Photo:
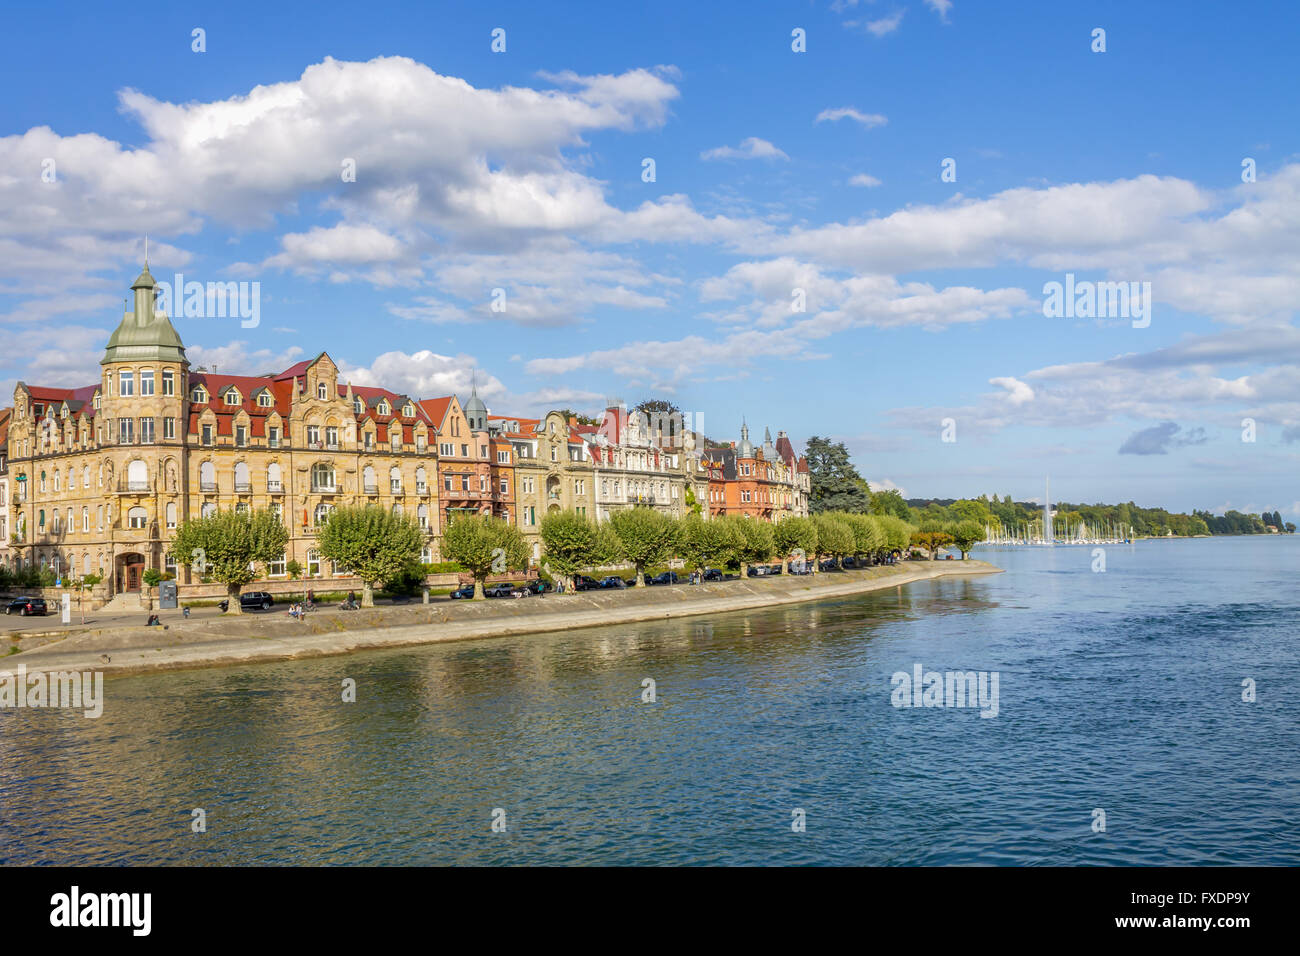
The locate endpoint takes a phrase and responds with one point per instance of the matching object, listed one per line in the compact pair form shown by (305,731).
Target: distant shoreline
(254,638)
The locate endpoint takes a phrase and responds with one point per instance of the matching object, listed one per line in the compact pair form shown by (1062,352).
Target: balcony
(208,487)
(324,489)
(395,487)
(126,487)
(273,443)
(371,489)
(243,487)
(274,488)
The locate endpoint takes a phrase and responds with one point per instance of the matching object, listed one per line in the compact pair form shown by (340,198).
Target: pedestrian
(185,611)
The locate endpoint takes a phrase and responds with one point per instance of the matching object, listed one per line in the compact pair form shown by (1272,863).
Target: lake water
(1118,691)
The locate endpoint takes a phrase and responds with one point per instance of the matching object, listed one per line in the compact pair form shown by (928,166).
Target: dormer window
(383,407)
(232,396)
(199,394)
(408,411)
(357,407)
(264,400)
(322,391)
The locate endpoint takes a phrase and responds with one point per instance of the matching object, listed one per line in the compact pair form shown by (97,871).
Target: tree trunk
(367,594)
(785,565)
(232,599)
(640,576)
(478,589)
(816,564)
(744,570)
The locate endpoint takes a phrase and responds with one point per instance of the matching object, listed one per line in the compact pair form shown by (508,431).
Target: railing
(395,487)
(421,489)
(331,446)
(323,489)
(243,487)
(274,487)
(372,489)
(273,443)
(207,486)
(126,486)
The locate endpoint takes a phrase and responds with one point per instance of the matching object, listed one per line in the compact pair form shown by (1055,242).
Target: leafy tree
(581,419)
(898,533)
(569,544)
(834,536)
(225,545)
(707,544)
(484,545)
(647,537)
(794,536)
(932,537)
(965,535)
(835,483)
(868,534)
(294,570)
(377,545)
(693,505)
(890,503)
(754,542)
(968,510)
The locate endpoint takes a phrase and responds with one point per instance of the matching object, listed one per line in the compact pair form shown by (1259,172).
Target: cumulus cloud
(863,179)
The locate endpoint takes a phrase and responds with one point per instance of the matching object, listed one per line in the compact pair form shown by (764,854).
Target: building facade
(760,482)
(636,461)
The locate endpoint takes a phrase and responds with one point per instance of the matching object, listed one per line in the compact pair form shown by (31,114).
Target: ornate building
(475,468)
(104,473)
(553,470)
(637,461)
(762,482)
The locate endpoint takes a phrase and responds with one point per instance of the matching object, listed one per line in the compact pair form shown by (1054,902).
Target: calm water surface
(1120,691)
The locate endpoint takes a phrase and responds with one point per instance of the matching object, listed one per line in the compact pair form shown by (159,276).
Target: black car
(713,574)
(26,605)
(667,577)
(466,592)
(582,582)
(251,601)
(506,591)
(613,581)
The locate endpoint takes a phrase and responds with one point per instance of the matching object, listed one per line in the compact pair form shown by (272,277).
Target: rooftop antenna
(146,250)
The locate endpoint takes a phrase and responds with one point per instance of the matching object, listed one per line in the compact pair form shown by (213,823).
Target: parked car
(26,605)
(582,582)
(613,581)
(713,574)
(463,593)
(759,571)
(250,601)
(667,577)
(804,568)
(537,586)
(506,591)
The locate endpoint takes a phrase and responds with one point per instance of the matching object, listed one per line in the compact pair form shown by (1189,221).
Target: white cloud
(749,148)
(941,7)
(848,112)
(863,179)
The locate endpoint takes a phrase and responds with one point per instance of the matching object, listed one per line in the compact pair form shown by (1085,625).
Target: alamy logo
(102,909)
(215,300)
(76,689)
(1098,300)
(923,688)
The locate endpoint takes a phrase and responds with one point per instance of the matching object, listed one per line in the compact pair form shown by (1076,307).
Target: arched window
(85,519)
(322,477)
(422,512)
(85,477)
(85,563)
(207,476)
(397,511)
(136,518)
(137,476)
(171,514)
(273,477)
(395,479)
(370,482)
(209,509)
(57,482)
(313,563)
(420,480)
(321,391)
(322,512)
(243,480)
(54,517)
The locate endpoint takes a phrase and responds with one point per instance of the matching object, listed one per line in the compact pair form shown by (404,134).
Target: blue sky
(775,170)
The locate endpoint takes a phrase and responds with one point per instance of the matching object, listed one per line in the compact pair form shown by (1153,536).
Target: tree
(692,503)
(834,536)
(225,545)
(868,534)
(835,483)
(294,570)
(889,503)
(932,537)
(898,533)
(375,544)
(569,544)
(794,536)
(581,419)
(705,544)
(965,535)
(647,537)
(754,542)
(484,545)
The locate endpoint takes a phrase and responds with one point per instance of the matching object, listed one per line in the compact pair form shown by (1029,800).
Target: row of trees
(379,546)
